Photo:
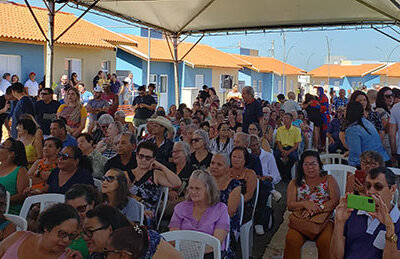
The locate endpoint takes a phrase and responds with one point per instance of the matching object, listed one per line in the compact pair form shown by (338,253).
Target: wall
(91,61)
(190,76)
(216,77)
(389,81)
(367,80)
(32,58)
(127,61)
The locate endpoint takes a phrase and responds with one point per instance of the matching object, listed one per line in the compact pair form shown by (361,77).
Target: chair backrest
(192,244)
(396,171)
(241,209)
(18,221)
(45,200)
(7,202)
(97,184)
(141,213)
(339,172)
(256,198)
(162,204)
(333,158)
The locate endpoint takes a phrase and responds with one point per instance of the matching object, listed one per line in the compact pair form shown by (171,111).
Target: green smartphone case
(359,202)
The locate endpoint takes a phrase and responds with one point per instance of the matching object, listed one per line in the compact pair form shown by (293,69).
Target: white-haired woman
(202,211)
(73,112)
(182,166)
(127,125)
(107,146)
(201,156)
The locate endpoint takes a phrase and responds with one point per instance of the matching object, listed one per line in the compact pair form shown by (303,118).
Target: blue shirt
(365,236)
(340,102)
(86,96)
(252,112)
(359,140)
(24,105)
(69,141)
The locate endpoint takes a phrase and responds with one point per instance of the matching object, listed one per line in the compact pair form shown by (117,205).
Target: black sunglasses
(109,178)
(89,233)
(71,236)
(64,156)
(389,96)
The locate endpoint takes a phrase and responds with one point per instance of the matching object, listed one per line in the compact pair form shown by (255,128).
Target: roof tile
(340,71)
(391,70)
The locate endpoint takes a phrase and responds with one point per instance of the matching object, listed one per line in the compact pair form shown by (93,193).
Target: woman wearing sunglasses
(116,194)
(150,175)
(73,168)
(200,143)
(83,198)
(58,227)
(384,103)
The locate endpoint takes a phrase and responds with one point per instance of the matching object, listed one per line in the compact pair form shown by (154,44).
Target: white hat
(163,122)
(98,89)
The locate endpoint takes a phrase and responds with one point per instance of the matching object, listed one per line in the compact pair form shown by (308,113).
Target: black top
(252,112)
(164,152)
(203,95)
(254,164)
(3,116)
(184,175)
(115,162)
(45,114)
(143,113)
(201,164)
(81,176)
(237,125)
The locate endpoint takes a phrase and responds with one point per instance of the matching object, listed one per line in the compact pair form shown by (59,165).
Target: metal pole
(283,69)
(176,67)
(329,60)
(148,55)
(387,64)
(50,45)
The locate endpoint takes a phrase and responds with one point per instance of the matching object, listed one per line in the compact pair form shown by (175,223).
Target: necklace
(236,176)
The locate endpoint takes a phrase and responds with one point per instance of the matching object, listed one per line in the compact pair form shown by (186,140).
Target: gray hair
(191,126)
(253,136)
(204,136)
(244,136)
(132,137)
(249,90)
(105,119)
(120,113)
(226,157)
(118,125)
(208,180)
(186,149)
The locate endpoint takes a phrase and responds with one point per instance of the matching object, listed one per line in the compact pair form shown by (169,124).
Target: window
(105,66)
(226,82)
(73,65)
(163,83)
(199,81)
(280,87)
(336,83)
(258,89)
(241,84)
(153,79)
(291,85)
(10,64)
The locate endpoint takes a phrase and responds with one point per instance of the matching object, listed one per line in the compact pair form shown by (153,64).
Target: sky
(308,49)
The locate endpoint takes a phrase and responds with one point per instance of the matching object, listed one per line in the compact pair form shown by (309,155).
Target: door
(10,64)
(73,65)
(163,89)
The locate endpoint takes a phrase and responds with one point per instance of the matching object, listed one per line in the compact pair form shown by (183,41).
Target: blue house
(203,65)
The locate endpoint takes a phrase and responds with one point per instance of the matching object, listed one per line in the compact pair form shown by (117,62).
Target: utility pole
(50,45)
(148,55)
(284,55)
(329,61)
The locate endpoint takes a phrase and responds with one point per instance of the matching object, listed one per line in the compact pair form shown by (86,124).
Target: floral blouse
(373,117)
(319,195)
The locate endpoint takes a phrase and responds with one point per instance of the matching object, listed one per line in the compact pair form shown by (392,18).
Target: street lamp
(308,60)
(285,58)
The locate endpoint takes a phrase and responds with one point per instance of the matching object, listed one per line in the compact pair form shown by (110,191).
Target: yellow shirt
(288,137)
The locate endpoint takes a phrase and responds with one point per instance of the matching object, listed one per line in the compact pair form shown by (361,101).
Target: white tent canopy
(199,16)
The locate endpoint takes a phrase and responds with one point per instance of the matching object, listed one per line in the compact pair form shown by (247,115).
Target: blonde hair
(76,114)
(208,180)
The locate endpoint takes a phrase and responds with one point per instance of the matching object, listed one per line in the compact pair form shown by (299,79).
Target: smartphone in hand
(359,202)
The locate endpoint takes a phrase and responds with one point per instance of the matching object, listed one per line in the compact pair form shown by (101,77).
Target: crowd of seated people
(207,157)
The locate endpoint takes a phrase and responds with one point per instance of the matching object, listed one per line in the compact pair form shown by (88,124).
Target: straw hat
(163,122)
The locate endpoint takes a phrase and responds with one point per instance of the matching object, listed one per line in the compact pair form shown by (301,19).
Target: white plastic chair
(331,158)
(339,172)
(18,221)
(162,204)
(8,196)
(45,200)
(396,171)
(141,214)
(246,230)
(192,244)
(97,184)
(241,209)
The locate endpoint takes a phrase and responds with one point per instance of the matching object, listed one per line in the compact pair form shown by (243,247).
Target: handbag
(309,227)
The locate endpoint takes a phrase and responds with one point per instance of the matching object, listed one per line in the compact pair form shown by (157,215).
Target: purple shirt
(365,236)
(215,217)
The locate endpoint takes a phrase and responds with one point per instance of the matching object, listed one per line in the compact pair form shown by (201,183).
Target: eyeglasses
(82,208)
(389,96)
(369,163)
(71,236)
(141,157)
(196,140)
(109,178)
(107,252)
(311,164)
(104,126)
(89,233)
(64,156)
(377,186)
(176,151)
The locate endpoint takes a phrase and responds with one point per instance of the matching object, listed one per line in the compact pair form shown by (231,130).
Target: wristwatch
(393,238)
(322,206)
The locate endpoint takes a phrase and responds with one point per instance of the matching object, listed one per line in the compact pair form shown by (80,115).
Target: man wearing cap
(158,129)
(31,85)
(62,88)
(46,110)
(97,104)
(144,106)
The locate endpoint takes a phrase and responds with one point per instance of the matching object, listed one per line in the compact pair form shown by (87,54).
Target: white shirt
(4,84)
(290,105)
(130,83)
(33,87)
(269,167)
(395,119)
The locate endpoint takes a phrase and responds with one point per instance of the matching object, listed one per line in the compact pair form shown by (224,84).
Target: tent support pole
(176,68)
(50,45)
(197,42)
(384,33)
